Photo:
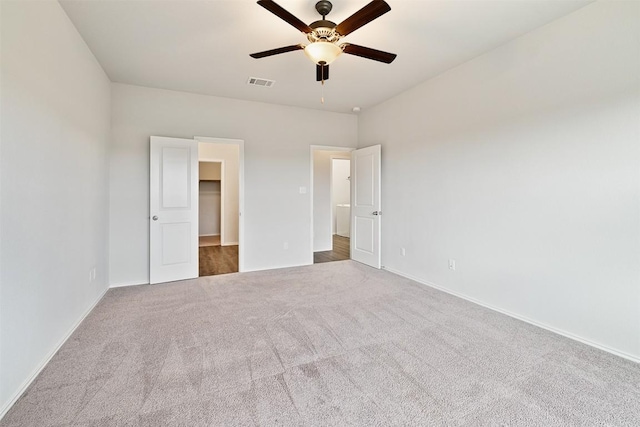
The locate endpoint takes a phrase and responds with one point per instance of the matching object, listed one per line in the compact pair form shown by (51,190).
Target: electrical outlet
(303,190)
(452,264)
(403,252)
(285,245)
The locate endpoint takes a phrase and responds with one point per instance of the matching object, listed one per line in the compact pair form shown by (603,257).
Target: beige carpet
(207,241)
(336,344)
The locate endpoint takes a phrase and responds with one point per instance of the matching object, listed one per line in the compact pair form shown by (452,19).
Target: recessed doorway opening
(174,216)
(331,208)
(219,207)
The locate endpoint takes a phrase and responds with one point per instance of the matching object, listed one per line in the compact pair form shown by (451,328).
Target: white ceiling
(203,46)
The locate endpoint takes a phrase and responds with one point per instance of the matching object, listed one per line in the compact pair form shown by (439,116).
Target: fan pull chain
(322,92)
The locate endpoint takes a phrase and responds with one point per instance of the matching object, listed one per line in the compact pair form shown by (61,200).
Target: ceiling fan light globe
(322,53)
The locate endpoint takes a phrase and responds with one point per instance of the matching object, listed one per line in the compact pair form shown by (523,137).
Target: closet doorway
(218,208)
(331,208)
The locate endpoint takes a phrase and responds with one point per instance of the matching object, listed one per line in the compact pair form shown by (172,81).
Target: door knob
(376,213)
(155,217)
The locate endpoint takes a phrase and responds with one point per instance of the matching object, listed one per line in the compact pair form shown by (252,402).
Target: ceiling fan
(324,35)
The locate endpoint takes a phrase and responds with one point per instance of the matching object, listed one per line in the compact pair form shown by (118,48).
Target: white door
(365,205)
(173,228)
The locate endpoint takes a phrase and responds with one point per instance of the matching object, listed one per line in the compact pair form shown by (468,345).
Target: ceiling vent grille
(255,81)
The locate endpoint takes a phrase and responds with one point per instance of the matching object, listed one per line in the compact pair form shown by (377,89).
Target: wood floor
(218,260)
(224,259)
(341,251)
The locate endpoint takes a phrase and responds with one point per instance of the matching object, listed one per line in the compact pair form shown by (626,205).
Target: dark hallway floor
(341,251)
(218,260)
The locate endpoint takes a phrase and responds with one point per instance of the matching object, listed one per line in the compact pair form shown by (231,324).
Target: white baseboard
(124,285)
(520,317)
(229,244)
(45,361)
(208,235)
(276,267)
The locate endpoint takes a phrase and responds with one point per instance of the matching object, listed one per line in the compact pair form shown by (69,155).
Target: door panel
(173,231)
(365,210)
(175,243)
(364,234)
(175,177)
(364,181)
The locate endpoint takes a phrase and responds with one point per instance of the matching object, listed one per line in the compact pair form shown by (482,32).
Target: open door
(173,228)
(365,205)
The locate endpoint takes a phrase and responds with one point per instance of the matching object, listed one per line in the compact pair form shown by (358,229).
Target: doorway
(331,209)
(173,205)
(212,256)
(219,206)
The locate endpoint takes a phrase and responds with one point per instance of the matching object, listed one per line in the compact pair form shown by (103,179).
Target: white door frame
(222,192)
(312,149)
(240,144)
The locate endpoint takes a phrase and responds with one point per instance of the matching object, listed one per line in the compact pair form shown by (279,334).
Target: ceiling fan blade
(283,14)
(367,52)
(277,51)
(373,10)
(322,72)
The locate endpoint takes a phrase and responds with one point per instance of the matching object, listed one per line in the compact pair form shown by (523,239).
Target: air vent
(255,81)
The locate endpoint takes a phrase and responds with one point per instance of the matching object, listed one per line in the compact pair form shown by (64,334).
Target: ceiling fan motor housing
(323,30)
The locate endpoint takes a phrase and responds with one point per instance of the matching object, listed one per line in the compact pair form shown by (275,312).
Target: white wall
(209,208)
(340,186)
(524,166)
(53,210)
(277,140)
(230,154)
(322,208)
